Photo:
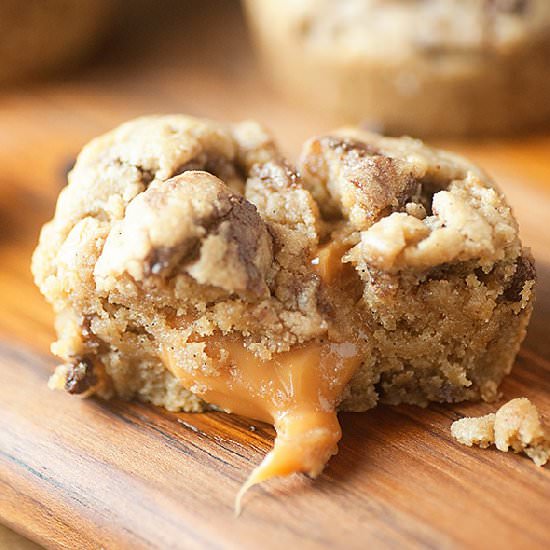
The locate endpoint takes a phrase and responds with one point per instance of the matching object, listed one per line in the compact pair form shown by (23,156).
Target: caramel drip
(297,391)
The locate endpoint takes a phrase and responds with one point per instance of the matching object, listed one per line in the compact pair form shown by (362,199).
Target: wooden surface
(11,540)
(89,474)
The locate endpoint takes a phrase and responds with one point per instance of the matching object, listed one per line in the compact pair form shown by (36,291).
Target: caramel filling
(297,391)
(328,263)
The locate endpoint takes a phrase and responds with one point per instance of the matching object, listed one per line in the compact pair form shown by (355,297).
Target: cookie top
(396,29)
(413,207)
(196,216)
(210,225)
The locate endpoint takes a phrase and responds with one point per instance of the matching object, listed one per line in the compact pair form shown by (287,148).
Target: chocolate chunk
(525,271)
(81,376)
(160,260)
(147,176)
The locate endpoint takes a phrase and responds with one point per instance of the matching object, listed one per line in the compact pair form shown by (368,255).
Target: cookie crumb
(475,431)
(516,426)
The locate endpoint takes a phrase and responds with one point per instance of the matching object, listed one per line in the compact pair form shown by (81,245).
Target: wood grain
(89,474)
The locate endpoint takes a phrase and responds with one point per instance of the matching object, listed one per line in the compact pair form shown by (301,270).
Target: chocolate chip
(81,376)
(525,271)
(158,260)
(147,176)
(163,258)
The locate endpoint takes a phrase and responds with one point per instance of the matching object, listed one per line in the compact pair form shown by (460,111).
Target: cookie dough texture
(174,229)
(515,426)
(419,67)
(37,36)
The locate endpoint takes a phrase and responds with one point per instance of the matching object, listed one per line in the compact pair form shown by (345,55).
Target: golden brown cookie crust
(174,229)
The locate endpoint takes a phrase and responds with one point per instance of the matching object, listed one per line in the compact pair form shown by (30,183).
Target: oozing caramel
(297,391)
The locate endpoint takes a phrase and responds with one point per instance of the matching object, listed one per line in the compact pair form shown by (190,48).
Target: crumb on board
(515,426)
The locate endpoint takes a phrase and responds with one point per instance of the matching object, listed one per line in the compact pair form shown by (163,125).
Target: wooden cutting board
(89,474)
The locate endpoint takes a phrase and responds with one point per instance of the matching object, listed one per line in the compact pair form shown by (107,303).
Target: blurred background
(469,75)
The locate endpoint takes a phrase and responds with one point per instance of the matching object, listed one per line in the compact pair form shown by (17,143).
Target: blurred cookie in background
(38,36)
(423,67)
